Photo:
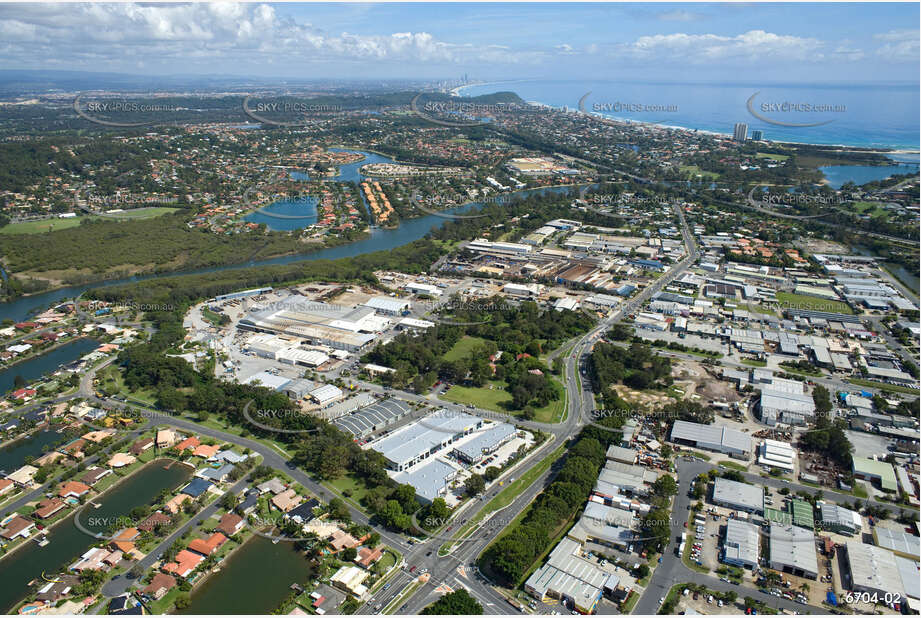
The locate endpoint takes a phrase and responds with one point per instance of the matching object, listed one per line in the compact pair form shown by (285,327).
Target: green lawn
(40,227)
(696,171)
(753,363)
(142,213)
(463,348)
(769,155)
(801,301)
(357,490)
(734,465)
(495,398)
(481,397)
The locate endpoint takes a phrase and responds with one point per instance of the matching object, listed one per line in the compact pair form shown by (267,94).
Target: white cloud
(678,15)
(900,46)
(701,48)
(225,32)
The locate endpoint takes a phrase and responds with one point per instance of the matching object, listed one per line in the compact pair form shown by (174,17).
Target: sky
(852,43)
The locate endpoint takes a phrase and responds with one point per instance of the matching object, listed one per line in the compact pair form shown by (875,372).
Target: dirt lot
(693,378)
(815,245)
(639,398)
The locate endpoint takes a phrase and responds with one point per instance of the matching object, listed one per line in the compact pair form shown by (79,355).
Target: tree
(665,486)
(183,601)
(349,554)
(338,510)
(474,485)
(492,473)
(457,603)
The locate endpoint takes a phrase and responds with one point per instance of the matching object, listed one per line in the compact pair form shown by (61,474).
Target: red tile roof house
(72,489)
(159,586)
(189,443)
(48,507)
(6,486)
(209,546)
(230,524)
(366,557)
(155,519)
(185,563)
(17,526)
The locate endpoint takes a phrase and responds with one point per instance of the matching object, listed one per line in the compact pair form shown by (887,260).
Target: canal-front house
(159,586)
(94,475)
(49,507)
(72,489)
(230,524)
(186,562)
(208,546)
(16,526)
(155,519)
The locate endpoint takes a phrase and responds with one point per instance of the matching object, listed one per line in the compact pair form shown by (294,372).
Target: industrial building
(872,569)
(619,477)
(776,454)
(712,437)
(740,546)
(570,578)
(375,417)
(898,542)
(875,471)
(430,480)
(318,324)
(417,441)
(839,519)
(485,443)
(738,496)
(792,550)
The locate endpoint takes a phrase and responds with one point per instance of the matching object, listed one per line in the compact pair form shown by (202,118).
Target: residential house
(159,586)
(230,524)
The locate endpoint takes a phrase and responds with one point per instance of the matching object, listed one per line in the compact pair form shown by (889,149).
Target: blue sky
(803,43)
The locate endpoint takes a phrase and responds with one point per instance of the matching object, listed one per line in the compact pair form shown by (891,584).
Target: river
(13,455)
(253,580)
(379,240)
(35,368)
(68,543)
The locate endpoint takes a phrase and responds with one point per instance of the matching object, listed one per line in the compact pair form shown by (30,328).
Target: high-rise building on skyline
(740,132)
(757,135)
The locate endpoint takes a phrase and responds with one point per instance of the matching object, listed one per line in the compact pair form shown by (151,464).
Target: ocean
(877,116)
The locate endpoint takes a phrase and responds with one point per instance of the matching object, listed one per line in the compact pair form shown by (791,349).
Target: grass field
(463,348)
(775,157)
(39,227)
(141,213)
(801,301)
(696,171)
(481,397)
(493,399)
(48,225)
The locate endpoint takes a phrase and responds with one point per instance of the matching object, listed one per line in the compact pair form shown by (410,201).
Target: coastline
(458,91)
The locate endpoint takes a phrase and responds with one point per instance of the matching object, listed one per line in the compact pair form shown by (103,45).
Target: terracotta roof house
(98,436)
(366,557)
(185,563)
(189,443)
(340,540)
(72,489)
(128,534)
(125,547)
(74,449)
(175,503)
(17,526)
(286,500)
(154,520)
(6,485)
(159,586)
(230,524)
(48,507)
(208,546)
(206,450)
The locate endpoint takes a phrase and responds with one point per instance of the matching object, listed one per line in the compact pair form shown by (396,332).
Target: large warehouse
(411,444)
(741,546)
(738,496)
(318,323)
(365,421)
(792,550)
(713,437)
